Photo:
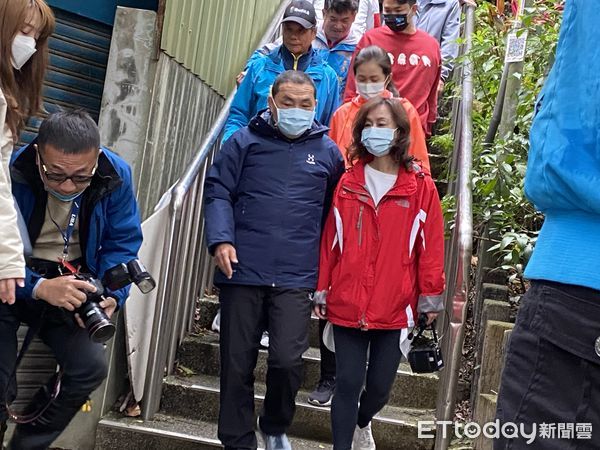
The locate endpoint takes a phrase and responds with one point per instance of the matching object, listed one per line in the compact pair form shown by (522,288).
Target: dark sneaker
(322,395)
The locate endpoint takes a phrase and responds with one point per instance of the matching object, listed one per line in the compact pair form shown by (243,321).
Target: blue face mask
(63,197)
(378,140)
(293,122)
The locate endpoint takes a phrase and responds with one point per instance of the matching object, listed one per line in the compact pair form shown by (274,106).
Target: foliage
(499,169)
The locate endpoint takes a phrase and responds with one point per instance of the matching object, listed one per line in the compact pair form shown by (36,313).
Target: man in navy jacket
(266,197)
(78,204)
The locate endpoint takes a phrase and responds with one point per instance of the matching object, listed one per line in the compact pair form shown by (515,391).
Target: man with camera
(78,204)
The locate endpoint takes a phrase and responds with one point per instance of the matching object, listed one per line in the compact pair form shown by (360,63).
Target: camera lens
(99,326)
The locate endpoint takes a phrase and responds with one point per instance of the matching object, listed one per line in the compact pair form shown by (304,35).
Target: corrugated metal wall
(183,110)
(75,78)
(213,38)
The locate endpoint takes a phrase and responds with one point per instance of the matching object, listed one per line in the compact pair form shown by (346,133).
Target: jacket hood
(24,170)
(406,183)
(315,57)
(262,124)
(346,44)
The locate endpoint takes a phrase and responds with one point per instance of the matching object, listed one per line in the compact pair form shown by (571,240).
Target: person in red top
(373,72)
(381,264)
(415,55)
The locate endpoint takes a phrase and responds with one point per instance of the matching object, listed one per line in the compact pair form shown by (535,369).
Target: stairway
(190,405)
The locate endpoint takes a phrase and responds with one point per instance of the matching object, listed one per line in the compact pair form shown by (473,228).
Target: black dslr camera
(425,355)
(99,326)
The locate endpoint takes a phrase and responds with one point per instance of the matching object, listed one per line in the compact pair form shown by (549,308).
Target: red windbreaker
(381,265)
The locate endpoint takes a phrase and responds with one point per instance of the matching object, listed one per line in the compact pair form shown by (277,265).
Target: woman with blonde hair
(25,26)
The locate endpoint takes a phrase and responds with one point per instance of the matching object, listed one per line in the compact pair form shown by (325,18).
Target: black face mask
(396,22)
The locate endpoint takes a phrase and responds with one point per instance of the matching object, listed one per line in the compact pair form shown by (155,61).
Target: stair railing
(187,268)
(459,248)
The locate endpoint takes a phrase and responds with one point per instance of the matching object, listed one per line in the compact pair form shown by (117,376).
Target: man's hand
(7,289)
(225,255)
(468,2)
(109,305)
(64,292)
(431,316)
(240,78)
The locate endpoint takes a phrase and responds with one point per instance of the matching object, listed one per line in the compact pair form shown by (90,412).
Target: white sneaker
(363,438)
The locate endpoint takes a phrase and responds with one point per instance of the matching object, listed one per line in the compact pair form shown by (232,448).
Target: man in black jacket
(266,196)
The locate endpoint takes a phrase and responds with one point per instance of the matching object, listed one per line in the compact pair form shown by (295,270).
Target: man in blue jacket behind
(298,29)
(266,196)
(78,205)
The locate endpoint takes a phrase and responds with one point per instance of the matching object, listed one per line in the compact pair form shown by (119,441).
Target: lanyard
(68,232)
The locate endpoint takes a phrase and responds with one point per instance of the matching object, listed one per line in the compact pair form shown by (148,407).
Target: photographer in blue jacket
(79,208)
(266,196)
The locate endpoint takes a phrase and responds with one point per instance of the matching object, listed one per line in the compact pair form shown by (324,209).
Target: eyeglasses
(60,178)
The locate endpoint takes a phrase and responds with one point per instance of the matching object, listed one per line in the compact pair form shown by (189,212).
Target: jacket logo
(403,203)
(310,159)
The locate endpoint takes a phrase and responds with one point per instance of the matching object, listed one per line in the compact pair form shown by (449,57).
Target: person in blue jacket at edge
(78,204)
(299,29)
(266,197)
(553,362)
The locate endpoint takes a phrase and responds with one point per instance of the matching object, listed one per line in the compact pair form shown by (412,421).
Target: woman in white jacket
(25,26)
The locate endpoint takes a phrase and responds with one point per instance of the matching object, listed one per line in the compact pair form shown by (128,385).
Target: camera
(97,323)
(425,355)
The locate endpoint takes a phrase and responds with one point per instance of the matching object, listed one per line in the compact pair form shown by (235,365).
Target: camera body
(425,355)
(99,326)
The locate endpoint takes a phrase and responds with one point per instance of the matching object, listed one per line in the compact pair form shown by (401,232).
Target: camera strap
(68,232)
(31,417)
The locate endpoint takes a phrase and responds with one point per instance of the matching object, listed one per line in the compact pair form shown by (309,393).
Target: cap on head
(301,12)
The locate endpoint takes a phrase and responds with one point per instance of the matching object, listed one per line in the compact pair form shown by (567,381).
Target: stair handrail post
(461,244)
(163,326)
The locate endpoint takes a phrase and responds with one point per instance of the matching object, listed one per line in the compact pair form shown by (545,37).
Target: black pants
(245,312)
(552,370)
(327,356)
(83,362)
(351,345)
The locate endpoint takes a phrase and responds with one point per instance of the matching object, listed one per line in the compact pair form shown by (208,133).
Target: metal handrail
(458,259)
(186,267)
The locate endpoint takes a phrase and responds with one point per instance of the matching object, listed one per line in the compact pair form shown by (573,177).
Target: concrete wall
(154,112)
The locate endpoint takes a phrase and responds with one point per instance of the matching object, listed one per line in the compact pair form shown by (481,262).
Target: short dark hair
(404,2)
(71,132)
(294,77)
(341,6)
(401,142)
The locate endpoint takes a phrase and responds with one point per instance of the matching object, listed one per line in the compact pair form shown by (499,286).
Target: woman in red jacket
(382,264)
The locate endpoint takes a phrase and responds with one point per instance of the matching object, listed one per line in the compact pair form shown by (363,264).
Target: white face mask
(23,48)
(370,90)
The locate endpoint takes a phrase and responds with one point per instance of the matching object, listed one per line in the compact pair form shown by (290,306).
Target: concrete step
(197,398)
(166,432)
(201,354)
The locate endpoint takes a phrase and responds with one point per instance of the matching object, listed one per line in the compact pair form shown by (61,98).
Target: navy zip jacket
(267,195)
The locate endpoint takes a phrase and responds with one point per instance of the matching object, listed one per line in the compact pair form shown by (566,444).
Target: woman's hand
(320,311)
(431,316)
